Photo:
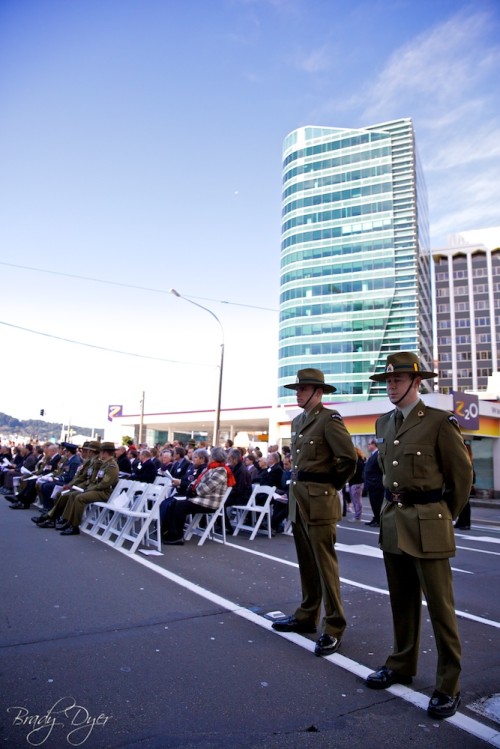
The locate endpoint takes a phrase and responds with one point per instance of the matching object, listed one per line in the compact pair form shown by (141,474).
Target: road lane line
(469,725)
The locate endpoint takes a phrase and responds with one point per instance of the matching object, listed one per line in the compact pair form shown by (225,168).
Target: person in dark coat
(272,476)
(181,463)
(124,464)
(146,471)
(373,483)
(240,493)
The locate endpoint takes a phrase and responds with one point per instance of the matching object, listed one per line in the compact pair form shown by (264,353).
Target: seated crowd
(61,480)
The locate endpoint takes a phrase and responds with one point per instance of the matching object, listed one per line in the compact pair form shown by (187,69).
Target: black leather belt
(318,478)
(414,498)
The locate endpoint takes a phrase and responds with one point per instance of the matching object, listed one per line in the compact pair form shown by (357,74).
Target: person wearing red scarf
(209,488)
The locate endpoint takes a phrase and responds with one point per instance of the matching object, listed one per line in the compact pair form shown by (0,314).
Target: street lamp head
(174,292)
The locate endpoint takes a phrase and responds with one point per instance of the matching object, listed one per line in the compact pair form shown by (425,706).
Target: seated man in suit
(146,470)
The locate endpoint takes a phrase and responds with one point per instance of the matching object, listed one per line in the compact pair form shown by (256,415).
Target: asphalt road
(105,650)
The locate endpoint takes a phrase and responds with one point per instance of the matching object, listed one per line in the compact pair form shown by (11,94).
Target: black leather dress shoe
(18,506)
(291,624)
(37,519)
(173,541)
(327,645)
(48,523)
(442,705)
(385,677)
(70,531)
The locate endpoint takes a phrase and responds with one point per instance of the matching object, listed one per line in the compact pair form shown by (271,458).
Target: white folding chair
(98,514)
(194,527)
(249,517)
(139,523)
(163,480)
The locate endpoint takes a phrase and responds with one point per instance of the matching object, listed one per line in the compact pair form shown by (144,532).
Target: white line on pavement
(355,584)
(469,725)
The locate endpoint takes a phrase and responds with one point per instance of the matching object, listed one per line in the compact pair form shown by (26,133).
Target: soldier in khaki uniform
(427,480)
(323,459)
(97,491)
(85,475)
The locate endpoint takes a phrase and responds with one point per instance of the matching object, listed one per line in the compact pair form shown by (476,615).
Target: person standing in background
(373,483)
(356,485)
(463,520)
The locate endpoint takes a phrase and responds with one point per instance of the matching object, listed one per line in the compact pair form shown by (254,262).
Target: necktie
(399,418)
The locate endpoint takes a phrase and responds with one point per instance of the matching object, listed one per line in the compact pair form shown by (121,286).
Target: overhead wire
(103,348)
(131,286)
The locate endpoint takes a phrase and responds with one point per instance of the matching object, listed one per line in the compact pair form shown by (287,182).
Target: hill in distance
(36,429)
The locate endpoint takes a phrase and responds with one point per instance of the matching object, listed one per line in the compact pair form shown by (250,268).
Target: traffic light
(42,411)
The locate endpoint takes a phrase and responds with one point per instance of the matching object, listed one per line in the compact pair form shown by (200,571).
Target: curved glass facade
(355,256)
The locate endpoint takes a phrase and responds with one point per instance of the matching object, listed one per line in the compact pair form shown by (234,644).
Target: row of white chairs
(249,517)
(131,516)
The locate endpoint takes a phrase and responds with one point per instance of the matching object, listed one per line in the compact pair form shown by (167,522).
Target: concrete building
(467,282)
(355,256)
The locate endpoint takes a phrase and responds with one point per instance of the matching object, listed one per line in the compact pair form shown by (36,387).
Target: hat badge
(389,368)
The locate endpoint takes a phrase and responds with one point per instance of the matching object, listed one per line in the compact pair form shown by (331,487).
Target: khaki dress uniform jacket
(87,473)
(85,476)
(320,445)
(422,461)
(99,490)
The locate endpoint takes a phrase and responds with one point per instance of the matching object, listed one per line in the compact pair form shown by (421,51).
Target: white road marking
(362,549)
(355,584)
(469,725)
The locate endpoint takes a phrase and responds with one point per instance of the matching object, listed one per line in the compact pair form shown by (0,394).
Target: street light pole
(221,365)
(141,423)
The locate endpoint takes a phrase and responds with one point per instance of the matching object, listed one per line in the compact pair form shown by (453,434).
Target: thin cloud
(452,153)
(461,199)
(442,79)
(436,69)
(314,61)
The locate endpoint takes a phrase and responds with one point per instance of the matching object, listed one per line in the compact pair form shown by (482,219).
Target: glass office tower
(355,256)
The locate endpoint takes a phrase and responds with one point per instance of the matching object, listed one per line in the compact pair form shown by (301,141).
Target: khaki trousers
(407,577)
(319,576)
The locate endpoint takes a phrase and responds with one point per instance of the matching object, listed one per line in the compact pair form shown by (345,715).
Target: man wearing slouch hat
(323,459)
(98,491)
(427,475)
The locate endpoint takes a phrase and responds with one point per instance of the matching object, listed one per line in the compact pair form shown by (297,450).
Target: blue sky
(140,146)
